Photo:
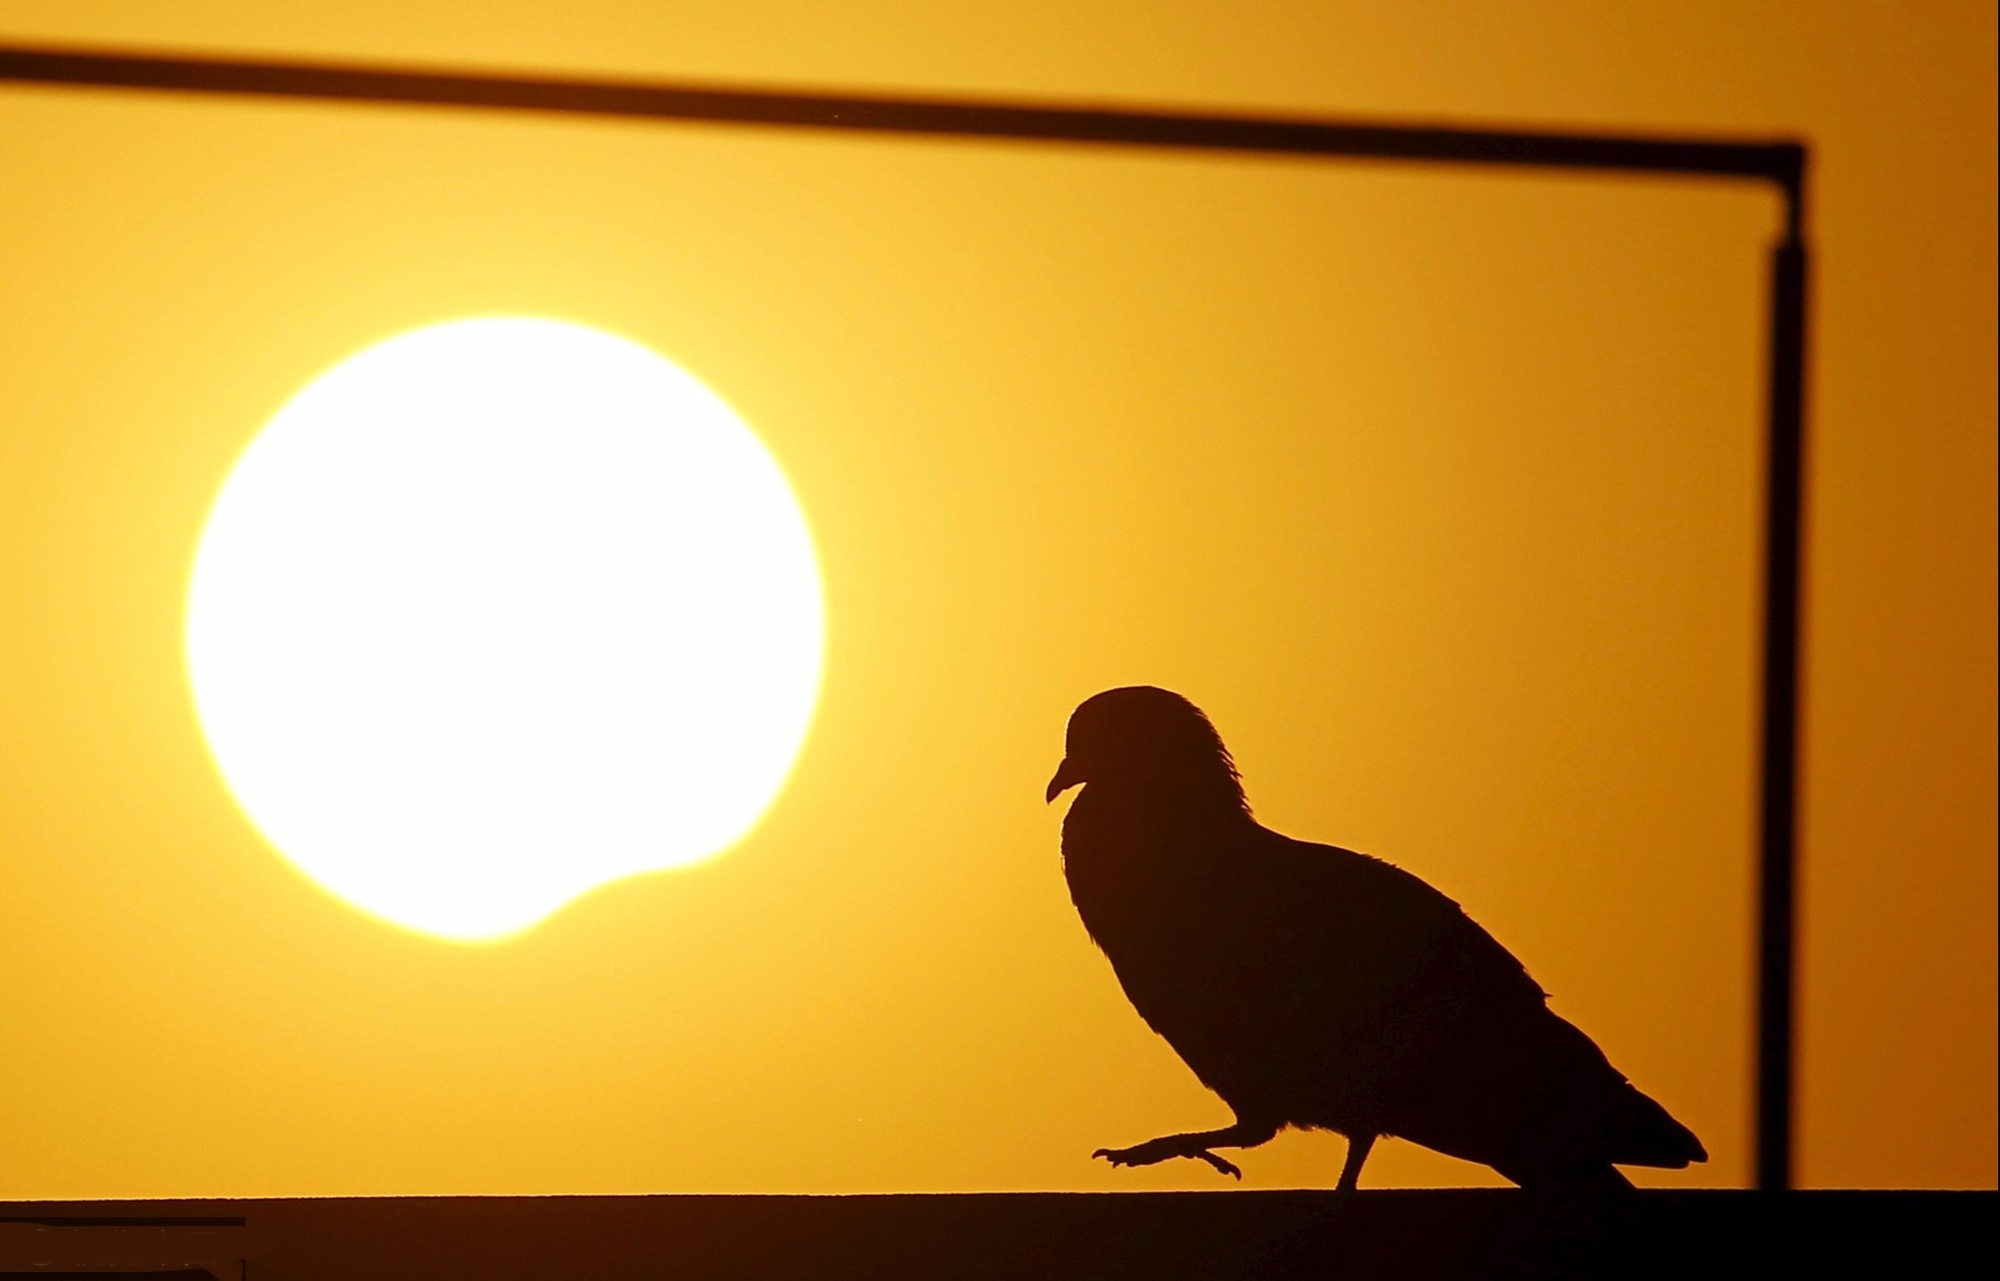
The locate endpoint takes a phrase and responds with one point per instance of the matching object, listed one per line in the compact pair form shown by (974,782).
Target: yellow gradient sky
(1437,491)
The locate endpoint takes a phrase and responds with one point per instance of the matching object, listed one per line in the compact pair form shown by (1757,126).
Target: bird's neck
(1155,810)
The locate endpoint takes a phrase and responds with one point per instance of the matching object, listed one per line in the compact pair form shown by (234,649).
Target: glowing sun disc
(499,610)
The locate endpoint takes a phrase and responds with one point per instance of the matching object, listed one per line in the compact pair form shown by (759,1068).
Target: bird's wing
(1393,999)
(1360,967)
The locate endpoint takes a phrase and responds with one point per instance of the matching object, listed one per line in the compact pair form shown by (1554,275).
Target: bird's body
(1316,987)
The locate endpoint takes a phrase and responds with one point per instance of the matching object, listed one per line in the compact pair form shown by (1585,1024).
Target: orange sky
(1438,491)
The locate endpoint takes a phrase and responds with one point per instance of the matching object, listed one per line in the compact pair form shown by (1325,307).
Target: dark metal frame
(1780,163)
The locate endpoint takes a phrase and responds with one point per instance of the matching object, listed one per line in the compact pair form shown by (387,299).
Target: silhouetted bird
(1315,987)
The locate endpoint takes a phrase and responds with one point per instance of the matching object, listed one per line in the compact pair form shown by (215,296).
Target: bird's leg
(1153,1151)
(1350,1171)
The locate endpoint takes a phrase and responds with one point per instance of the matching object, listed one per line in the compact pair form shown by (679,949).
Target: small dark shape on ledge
(1311,986)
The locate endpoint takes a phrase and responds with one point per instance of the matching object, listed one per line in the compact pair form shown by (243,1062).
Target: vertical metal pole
(1778,880)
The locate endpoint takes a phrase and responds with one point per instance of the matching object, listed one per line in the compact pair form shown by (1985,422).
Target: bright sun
(497,611)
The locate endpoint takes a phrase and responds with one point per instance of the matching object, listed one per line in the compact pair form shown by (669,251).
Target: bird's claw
(1221,1166)
(1157,1150)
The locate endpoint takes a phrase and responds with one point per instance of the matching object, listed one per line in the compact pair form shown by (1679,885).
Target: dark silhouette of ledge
(1440,1233)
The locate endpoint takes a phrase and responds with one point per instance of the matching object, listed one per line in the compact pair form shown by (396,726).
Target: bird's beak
(1066,778)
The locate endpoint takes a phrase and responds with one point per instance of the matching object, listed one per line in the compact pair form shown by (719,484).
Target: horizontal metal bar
(1777,161)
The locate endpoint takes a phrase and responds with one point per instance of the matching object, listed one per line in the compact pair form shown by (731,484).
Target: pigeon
(1317,988)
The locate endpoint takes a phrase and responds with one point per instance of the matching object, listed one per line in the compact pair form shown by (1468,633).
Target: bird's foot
(1154,1151)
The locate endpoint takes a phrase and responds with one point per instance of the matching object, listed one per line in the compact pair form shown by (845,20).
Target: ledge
(1389,1233)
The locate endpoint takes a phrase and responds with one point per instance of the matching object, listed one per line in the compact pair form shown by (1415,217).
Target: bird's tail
(1631,1127)
(1649,1135)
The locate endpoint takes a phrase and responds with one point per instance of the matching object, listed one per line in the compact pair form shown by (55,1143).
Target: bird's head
(1147,738)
